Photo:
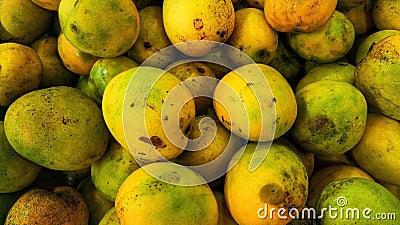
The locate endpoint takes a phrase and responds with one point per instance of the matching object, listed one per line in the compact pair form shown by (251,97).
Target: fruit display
(213,112)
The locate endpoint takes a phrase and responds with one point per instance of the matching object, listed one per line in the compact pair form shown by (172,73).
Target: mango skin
(331,117)
(253,35)
(280,181)
(206,20)
(21,71)
(378,151)
(377,76)
(17,172)
(22,21)
(58,128)
(102,71)
(152,37)
(110,171)
(110,218)
(360,193)
(112,107)
(327,44)
(54,72)
(336,71)
(145,199)
(328,174)
(366,45)
(237,105)
(298,16)
(79,21)
(61,205)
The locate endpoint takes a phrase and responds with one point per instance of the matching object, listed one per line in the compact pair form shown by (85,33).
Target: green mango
(357,201)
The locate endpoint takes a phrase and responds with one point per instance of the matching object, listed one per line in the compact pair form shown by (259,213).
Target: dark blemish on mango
(157,142)
(221,34)
(263,54)
(272,193)
(201,70)
(322,125)
(74,28)
(198,24)
(147,44)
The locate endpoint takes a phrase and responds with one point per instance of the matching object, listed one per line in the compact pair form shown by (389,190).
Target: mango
(73,58)
(80,22)
(280,181)
(298,16)
(286,61)
(21,71)
(377,75)
(210,148)
(331,117)
(336,71)
(255,102)
(198,22)
(61,205)
(110,171)
(191,72)
(54,72)
(58,127)
(23,21)
(378,151)
(360,15)
(328,174)
(152,38)
(366,45)
(151,134)
(110,218)
(385,14)
(163,193)
(327,44)
(102,71)
(17,172)
(356,201)
(253,35)
(307,158)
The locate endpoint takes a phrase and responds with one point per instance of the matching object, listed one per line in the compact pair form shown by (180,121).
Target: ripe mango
(280,181)
(58,127)
(378,151)
(205,20)
(331,117)
(377,76)
(61,205)
(94,27)
(17,172)
(146,199)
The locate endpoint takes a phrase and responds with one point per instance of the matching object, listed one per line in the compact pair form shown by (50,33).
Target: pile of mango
(128,112)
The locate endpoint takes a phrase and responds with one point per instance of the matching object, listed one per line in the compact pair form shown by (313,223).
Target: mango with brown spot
(280,181)
(61,205)
(331,117)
